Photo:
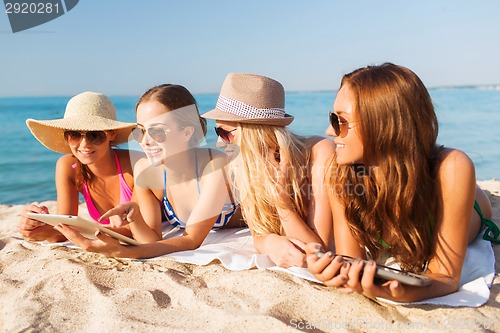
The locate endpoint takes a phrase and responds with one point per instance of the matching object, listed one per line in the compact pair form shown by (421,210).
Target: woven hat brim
(226,116)
(50,133)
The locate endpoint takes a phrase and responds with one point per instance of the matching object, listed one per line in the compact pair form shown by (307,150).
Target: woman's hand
(361,279)
(348,277)
(286,252)
(122,214)
(330,269)
(35,230)
(279,166)
(104,244)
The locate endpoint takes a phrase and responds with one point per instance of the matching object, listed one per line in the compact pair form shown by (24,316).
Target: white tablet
(85,227)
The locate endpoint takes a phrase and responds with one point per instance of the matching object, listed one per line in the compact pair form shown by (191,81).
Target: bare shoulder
(66,161)
(321,144)
(212,159)
(65,169)
(455,168)
(141,165)
(129,157)
(148,176)
(322,149)
(454,161)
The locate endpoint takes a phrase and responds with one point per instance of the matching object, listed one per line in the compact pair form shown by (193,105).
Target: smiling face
(156,122)
(349,145)
(86,151)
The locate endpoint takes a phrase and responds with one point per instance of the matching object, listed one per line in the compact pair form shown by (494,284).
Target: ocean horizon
(468,119)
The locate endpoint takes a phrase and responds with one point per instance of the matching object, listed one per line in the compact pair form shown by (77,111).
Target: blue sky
(122,47)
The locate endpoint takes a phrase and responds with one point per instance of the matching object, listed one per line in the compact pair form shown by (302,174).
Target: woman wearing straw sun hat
(277,174)
(179,178)
(103,175)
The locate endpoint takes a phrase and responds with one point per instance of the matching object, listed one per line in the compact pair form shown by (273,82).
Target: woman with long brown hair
(395,193)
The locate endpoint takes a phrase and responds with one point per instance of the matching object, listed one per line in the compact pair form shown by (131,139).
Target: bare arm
(201,220)
(288,250)
(67,204)
(67,193)
(142,214)
(319,217)
(328,268)
(456,193)
(318,226)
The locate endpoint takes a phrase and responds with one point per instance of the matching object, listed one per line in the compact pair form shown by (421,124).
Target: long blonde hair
(256,179)
(398,128)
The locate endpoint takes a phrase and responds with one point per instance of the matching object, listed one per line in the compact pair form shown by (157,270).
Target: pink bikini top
(125,193)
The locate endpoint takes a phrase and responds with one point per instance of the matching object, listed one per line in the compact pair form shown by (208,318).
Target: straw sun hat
(88,111)
(251,99)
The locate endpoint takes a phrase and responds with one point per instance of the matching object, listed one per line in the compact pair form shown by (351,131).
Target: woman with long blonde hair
(278,175)
(395,193)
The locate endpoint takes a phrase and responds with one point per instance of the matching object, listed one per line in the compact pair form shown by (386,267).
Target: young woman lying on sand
(394,191)
(185,181)
(103,175)
(279,176)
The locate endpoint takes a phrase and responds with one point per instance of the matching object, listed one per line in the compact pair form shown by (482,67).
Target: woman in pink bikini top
(103,175)
(125,192)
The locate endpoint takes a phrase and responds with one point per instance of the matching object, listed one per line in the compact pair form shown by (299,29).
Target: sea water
(469,119)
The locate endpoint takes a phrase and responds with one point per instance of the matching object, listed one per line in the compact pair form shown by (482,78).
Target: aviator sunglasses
(158,134)
(92,137)
(225,135)
(340,125)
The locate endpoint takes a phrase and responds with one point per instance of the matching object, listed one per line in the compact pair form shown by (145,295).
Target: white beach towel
(235,250)
(478,273)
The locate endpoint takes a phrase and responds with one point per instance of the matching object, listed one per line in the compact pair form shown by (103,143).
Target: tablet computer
(85,227)
(389,273)
(408,278)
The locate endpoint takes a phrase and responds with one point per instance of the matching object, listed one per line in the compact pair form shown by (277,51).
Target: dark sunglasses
(340,125)
(158,134)
(92,137)
(224,134)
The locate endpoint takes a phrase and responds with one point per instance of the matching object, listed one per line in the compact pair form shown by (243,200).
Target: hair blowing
(398,129)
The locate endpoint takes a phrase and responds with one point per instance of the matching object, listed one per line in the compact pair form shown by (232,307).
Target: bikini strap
(492,232)
(164,183)
(382,242)
(117,161)
(196,166)
(228,186)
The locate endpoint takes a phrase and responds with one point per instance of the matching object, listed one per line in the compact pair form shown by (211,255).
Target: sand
(58,289)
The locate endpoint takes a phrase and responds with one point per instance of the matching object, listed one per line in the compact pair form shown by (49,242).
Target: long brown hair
(398,128)
(83,175)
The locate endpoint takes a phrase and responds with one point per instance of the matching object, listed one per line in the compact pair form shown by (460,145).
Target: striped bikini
(223,219)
